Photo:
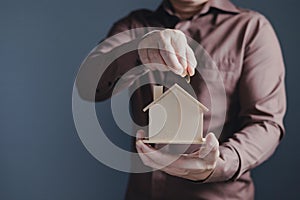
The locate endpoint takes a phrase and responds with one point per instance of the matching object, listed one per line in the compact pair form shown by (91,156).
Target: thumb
(140,134)
(211,144)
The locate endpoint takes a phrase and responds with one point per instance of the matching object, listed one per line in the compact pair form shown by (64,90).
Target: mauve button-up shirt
(245,49)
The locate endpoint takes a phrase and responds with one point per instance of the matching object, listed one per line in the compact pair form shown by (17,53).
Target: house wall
(184,123)
(191,128)
(171,105)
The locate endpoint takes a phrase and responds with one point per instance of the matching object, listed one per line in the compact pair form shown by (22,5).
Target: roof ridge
(170,90)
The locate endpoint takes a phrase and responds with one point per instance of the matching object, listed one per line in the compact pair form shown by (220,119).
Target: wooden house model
(175,117)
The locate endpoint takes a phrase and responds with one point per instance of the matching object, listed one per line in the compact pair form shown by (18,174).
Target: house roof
(175,86)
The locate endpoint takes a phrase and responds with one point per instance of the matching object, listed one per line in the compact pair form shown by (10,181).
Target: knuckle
(163,35)
(178,31)
(168,31)
(180,35)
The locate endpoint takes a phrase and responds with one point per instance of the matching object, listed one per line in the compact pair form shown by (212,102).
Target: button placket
(183,26)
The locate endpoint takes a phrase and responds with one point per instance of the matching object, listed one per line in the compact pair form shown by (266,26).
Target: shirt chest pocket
(220,75)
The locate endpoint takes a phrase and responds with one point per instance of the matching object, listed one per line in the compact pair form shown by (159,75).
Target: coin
(188,78)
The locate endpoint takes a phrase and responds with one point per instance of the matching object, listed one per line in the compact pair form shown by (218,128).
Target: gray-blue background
(42,43)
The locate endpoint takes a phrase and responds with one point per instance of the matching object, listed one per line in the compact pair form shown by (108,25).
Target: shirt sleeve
(108,61)
(262,107)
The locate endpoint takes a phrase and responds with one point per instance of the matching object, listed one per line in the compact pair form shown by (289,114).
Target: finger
(169,56)
(175,171)
(153,164)
(156,155)
(145,159)
(154,56)
(140,134)
(191,61)
(170,160)
(145,148)
(197,176)
(156,60)
(180,51)
(174,166)
(150,64)
(211,144)
(191,71)
(212,156)
(199,165)
(143,56)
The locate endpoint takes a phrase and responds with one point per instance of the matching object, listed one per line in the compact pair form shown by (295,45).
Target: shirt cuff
(227,166)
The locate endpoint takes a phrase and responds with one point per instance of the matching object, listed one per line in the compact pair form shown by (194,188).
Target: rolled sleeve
(226,167)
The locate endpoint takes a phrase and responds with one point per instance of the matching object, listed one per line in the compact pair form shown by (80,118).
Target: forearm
(108,61)
(116,69)
(100,71)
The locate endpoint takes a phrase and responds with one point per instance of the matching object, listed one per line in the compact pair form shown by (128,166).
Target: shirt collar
(224,5)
